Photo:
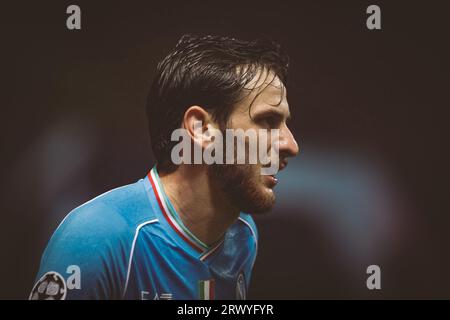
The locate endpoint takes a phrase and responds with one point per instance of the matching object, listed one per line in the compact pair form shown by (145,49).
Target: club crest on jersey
(241,292)
(51,286)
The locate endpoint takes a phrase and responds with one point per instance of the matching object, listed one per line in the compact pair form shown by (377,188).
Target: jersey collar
(173,219)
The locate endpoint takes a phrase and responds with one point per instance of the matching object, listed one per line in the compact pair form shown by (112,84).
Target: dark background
(369,187)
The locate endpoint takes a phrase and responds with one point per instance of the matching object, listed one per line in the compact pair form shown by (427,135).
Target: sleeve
(85,258)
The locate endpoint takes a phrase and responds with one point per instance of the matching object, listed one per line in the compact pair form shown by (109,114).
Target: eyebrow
(272,111)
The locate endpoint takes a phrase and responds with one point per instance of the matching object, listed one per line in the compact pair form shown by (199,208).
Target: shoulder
(114,214)
(248,228)
(248,221)
(97,238)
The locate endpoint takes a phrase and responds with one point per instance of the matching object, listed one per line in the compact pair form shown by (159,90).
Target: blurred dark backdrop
(369,108)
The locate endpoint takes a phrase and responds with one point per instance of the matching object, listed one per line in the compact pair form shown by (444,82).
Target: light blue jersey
(130,243)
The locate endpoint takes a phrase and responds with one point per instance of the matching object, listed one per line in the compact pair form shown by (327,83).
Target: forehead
(265,92)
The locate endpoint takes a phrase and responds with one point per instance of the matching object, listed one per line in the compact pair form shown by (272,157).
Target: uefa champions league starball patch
(51,286)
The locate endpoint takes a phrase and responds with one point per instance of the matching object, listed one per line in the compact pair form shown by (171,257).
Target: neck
(201,205)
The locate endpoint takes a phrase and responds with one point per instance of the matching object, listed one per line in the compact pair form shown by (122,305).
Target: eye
(270,121)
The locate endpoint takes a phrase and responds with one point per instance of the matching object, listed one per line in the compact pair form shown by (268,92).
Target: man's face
(243,184)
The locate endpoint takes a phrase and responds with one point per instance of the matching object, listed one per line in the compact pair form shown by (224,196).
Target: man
(181,232)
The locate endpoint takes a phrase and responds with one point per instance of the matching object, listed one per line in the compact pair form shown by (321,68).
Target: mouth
(271,181)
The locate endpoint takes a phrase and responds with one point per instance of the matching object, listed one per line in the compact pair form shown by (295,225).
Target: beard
(243,187)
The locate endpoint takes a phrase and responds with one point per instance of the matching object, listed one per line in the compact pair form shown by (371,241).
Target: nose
(288,145)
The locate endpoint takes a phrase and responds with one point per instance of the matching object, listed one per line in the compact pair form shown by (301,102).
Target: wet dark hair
(208,71)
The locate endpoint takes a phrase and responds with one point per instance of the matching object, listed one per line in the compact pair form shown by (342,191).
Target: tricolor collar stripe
(205,255)
(173,214)
(169,219)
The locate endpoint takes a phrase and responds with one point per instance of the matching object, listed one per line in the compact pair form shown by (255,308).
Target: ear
(198,124)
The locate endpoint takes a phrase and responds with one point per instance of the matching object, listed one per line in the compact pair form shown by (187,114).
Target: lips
(271,181)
